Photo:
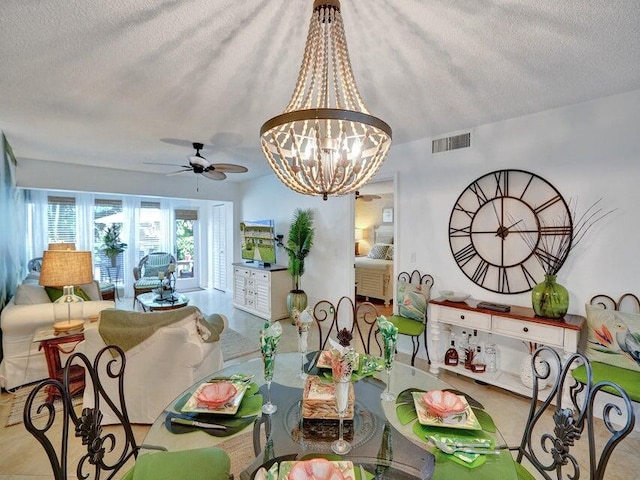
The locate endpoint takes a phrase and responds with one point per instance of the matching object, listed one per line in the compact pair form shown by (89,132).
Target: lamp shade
(358,234)
(66,267)
(61,246)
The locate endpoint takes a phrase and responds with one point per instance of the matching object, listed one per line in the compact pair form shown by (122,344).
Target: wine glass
(341,393)
(389,353)
(303,335)
(268,360)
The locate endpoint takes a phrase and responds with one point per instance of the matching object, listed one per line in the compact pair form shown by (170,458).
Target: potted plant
(298,245)
(111,244)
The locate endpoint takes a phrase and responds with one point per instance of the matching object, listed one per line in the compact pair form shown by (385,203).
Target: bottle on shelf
(478,363)
(451,355)
(473,340)
(491,357)
(462,346)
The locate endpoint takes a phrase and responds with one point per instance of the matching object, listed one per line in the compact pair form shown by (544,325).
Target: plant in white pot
(298,246)
(111,244)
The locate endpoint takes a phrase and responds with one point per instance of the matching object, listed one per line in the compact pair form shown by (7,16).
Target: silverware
(195,423)
(233,378)
(447,448)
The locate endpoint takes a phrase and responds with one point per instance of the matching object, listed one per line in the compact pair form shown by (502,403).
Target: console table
(507,330)
(261,291)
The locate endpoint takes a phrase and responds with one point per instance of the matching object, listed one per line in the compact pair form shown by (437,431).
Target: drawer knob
(525,329)
(461,317)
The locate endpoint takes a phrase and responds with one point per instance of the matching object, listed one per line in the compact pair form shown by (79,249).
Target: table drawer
(464,318)
(528,331)
(263,276)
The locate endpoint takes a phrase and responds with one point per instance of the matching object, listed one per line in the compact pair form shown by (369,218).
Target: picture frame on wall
(387,215)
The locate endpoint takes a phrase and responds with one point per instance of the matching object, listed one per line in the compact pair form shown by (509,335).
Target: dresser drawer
(465,318)
(262,276)
(528,331)
(242,272)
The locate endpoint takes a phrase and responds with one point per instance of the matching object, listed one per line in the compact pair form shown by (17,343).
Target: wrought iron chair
(145,275)
(550,453)
(347,322)
(412,299)
(110,449)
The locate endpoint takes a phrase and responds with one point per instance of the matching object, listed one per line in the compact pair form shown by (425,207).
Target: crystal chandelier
(325,142)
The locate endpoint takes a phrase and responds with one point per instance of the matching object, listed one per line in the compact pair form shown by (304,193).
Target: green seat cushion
(523,473)
(629,380)
(196,464)
(407,326)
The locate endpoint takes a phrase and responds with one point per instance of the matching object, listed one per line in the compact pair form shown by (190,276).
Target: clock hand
(504,231)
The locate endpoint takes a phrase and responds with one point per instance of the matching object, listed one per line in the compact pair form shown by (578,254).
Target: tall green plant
(299,243)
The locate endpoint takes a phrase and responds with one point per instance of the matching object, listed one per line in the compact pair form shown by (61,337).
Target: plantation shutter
(61,219)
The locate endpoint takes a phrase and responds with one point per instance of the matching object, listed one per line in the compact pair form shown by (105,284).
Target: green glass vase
(549,298)
(296,299)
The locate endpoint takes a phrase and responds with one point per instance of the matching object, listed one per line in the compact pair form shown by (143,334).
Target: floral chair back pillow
(613,337)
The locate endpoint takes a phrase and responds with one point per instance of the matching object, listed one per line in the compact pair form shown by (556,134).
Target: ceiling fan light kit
(325,143)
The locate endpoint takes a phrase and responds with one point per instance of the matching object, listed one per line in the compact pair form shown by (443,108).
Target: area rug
(236,345)
(240,450)
(20,398)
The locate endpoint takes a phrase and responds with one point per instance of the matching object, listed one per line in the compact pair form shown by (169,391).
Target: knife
(195,423)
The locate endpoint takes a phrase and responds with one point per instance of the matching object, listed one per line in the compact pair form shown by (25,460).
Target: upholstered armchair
(166,352)
(146,273)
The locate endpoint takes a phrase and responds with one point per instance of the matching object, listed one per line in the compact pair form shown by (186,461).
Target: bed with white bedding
(374,272)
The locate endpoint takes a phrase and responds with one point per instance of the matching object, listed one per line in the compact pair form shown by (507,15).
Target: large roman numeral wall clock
(503,224)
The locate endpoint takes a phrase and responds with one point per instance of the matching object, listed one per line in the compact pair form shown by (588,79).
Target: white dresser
(510,331)
(261,291)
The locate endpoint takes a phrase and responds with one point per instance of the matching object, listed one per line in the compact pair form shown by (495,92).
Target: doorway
(374,229)
(187,251)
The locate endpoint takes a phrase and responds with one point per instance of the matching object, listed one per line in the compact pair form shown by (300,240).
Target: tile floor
(21,458)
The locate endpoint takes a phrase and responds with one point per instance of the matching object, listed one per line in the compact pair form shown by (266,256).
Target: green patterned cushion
(412,301)
(613,337)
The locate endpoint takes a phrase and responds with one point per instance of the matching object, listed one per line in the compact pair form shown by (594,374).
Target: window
(106,212)
(61,219)
(149,228)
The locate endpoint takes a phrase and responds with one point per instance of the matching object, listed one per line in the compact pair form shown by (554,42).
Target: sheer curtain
(85,222)
(130,236)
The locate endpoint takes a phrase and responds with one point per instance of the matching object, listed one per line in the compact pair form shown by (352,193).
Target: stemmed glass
(389,353)
(303,335)
(268,360)
(269,338)
(341,391)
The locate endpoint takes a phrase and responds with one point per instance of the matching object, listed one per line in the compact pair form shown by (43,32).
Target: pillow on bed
(389,254)
(378,251)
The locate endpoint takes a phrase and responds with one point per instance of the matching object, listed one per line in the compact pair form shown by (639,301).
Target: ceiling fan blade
(184,143)
(157,163)
(177,172)
(214,175)
(229,167)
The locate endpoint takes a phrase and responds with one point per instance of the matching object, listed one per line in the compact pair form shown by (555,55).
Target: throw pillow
(54,293)
(613,337)
(153,270)
(378,251)
(30,294)
(412,300)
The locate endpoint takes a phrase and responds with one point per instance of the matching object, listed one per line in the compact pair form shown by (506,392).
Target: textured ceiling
(121,82)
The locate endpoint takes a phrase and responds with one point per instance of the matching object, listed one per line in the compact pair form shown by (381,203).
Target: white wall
(329,270)
(587,151)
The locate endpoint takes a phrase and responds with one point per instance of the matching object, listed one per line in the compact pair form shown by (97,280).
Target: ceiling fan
(199,164)
(367,198)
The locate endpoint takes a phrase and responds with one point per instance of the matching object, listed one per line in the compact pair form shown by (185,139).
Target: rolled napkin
(344,361)
(389,333)
(269,337)
(303,322)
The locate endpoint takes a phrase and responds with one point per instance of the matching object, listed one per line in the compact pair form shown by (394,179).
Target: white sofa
(158,369)
(29,310)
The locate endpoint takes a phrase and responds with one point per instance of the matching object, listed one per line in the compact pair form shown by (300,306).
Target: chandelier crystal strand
(325,142)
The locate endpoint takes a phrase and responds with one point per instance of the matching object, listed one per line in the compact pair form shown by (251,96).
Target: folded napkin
(343,361)
(269,337)
(389,333)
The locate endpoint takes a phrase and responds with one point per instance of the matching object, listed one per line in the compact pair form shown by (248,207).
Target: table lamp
(66,268)
(359,236)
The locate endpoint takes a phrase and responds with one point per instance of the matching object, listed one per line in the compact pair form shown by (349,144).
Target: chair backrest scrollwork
(572,405)
(106,453)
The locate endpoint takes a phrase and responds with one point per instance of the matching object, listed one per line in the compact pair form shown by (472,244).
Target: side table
(53,345)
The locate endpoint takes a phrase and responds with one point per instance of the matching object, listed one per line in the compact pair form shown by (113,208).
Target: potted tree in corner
(111,244)
(298,245)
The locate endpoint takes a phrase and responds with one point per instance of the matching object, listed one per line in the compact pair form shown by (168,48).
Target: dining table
(389,438)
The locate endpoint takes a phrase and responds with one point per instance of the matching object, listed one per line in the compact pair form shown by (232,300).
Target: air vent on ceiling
(451,143)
